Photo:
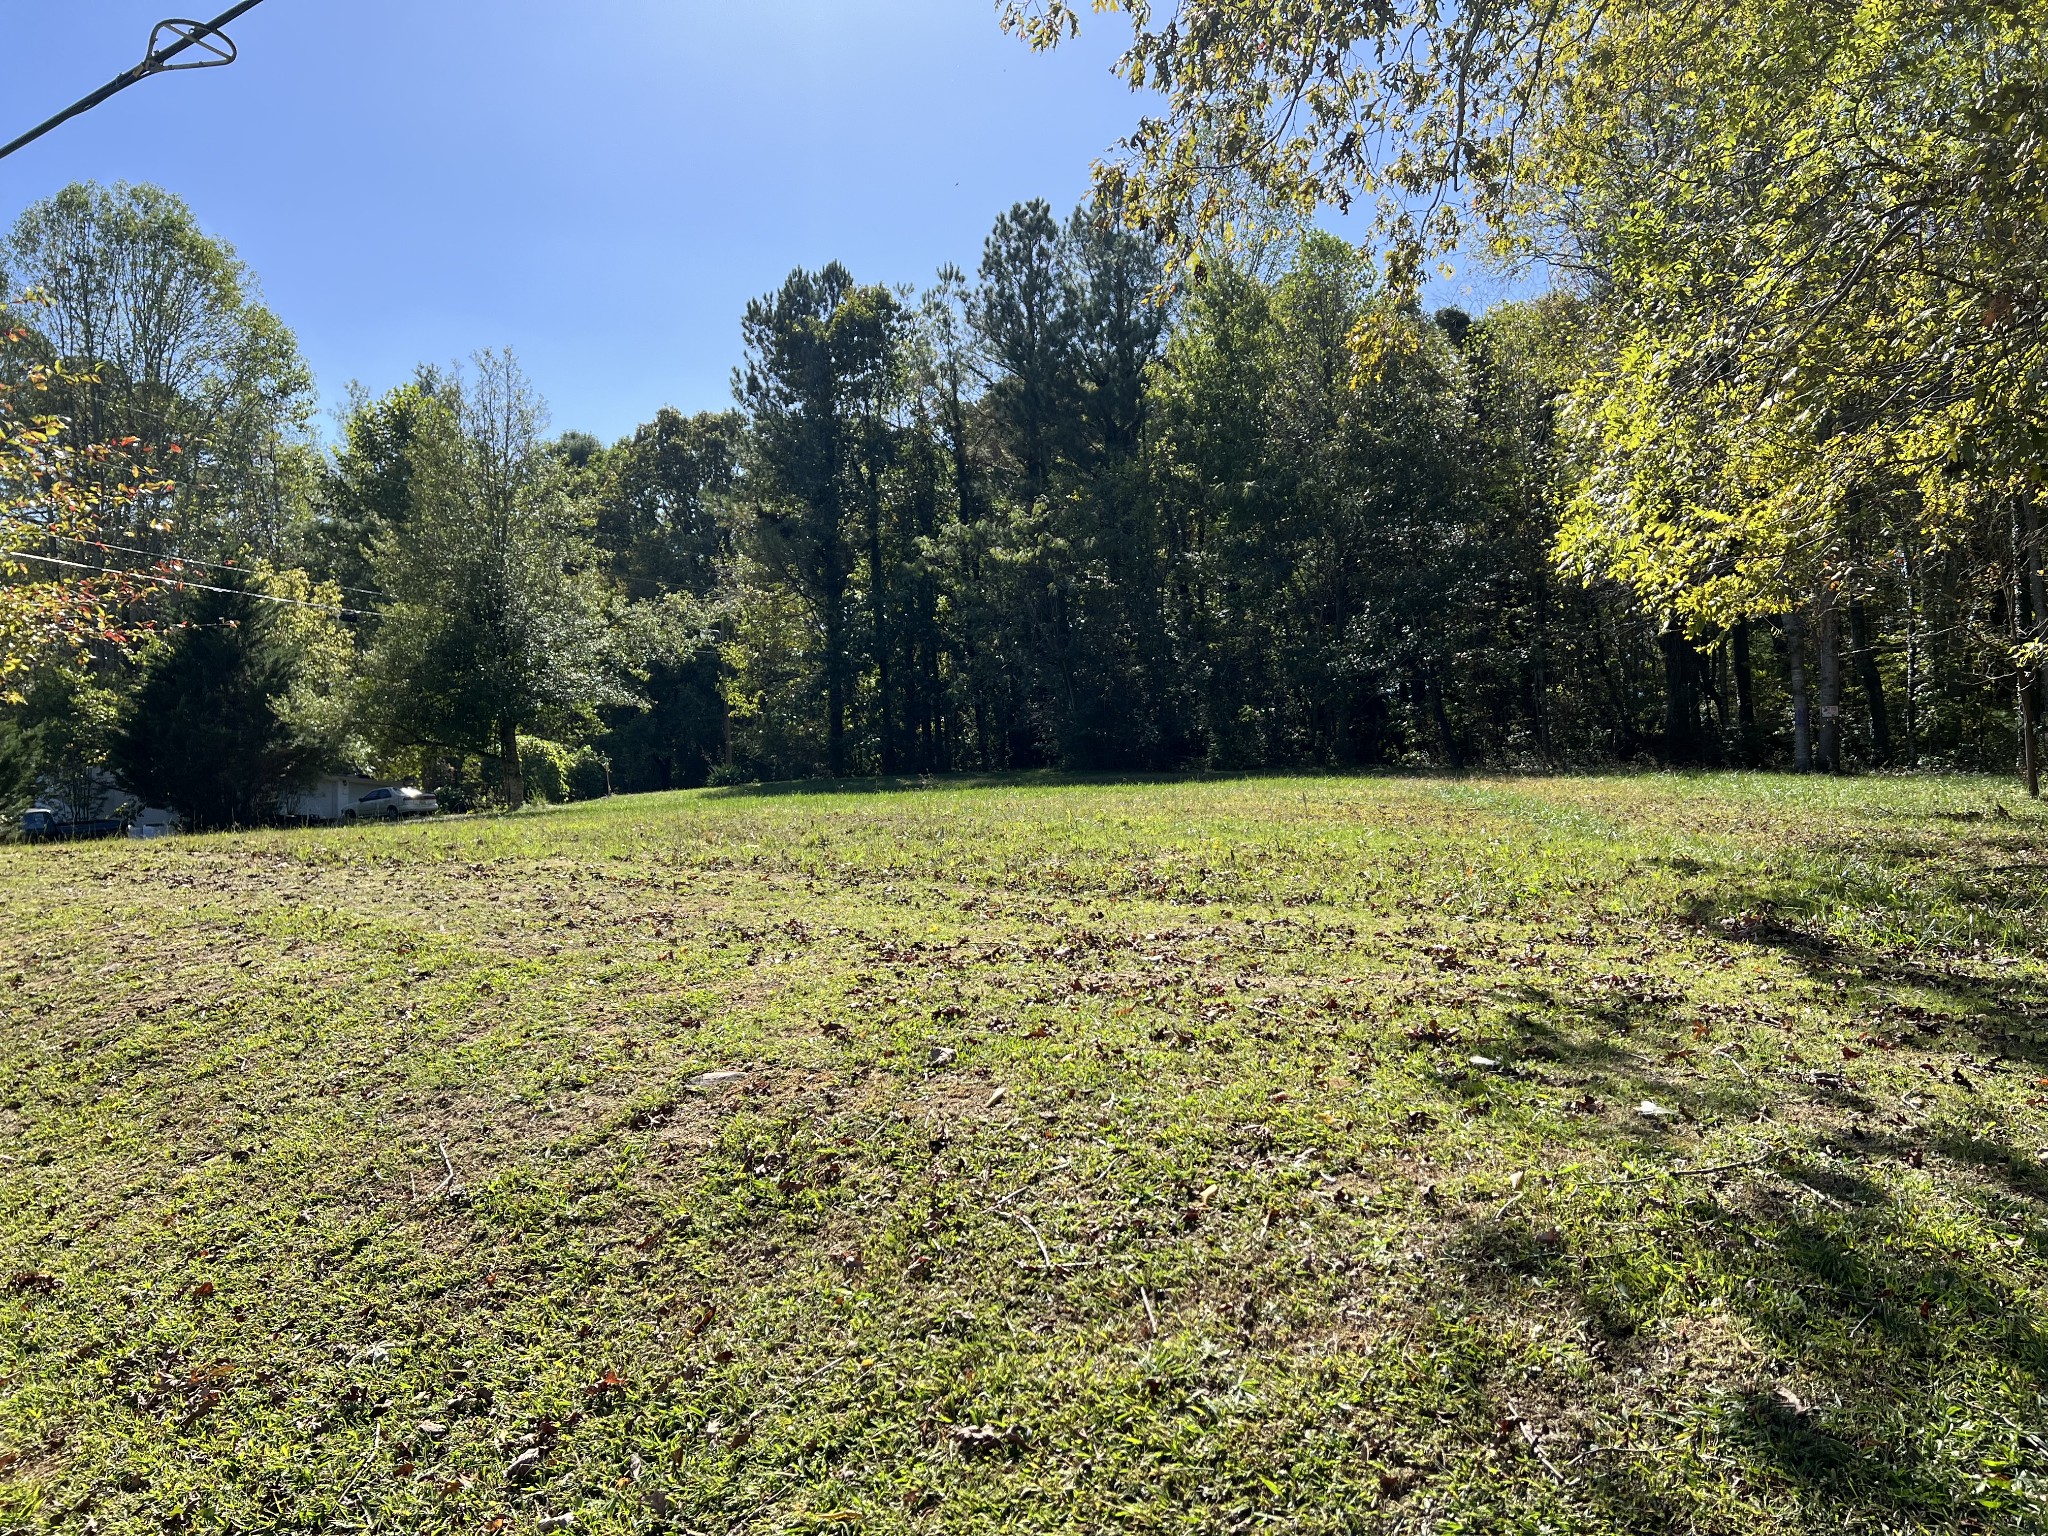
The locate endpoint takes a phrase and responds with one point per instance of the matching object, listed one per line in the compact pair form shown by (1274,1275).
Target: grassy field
(1632,1154)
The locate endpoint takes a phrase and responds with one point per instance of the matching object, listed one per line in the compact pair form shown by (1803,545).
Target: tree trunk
(2038,590)
(1912,699)
(1828,644)
(2030,737)
(1681,711)
(1867,675)
(1539,680)
(1442,717)
(1745,693)
(2026,594)
(835,680)
(878,609)
(835,719)
(1710,683)
(511,779)
(1802,708)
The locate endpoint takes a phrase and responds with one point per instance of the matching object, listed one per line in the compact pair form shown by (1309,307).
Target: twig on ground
(1727,1054)
(1043,1252)
(1696,1173)
(376,1444)
(448,1185)
(1151,1318)
(1535,1446)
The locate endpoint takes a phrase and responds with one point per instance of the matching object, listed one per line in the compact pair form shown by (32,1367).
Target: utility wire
(211,565)
(189,35)
(185,586)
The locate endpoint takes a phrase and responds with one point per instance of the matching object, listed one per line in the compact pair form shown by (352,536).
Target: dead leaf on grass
(987,1439)
(1792,1402)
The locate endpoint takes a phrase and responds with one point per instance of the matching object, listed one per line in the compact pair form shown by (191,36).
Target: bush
(546,766)
(590,777)
(17,770)
(556,774)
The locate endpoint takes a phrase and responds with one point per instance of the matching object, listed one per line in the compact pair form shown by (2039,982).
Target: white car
(390,804)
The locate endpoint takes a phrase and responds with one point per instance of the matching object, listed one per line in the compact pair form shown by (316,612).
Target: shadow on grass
(1971,977)
(1035,778)
(1882,1350)
(1874,1373)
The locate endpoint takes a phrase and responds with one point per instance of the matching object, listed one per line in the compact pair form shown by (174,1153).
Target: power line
(186,586)
(203,35)
(211,565)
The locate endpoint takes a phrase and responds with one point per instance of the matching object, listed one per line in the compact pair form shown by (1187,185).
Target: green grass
(1213,1156)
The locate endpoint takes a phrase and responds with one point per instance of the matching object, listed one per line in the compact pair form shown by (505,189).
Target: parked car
(41,824)
(331,799)
(153,822)
(390,804)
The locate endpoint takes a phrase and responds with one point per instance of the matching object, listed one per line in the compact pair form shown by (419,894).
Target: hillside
(1618,1154)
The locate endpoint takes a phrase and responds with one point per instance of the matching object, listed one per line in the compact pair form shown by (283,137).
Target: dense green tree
(661,500)
(17,766)
(820,352)
(169,345)
(495,623)
(207,732)
(365,494)
(1025,315)
(661,518)
(67,724)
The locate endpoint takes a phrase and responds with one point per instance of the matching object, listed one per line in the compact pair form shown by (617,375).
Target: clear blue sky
(599,184)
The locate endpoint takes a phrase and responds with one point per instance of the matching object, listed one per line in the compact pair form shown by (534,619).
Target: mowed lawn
(1620,1154)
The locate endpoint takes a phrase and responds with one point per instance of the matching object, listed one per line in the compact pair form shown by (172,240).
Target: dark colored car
(40,824)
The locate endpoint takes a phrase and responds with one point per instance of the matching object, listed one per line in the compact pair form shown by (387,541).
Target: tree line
(1809,389)
(1105,503)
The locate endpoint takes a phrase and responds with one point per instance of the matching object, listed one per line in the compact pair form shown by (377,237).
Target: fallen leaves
(204,1404)
(977,1440)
